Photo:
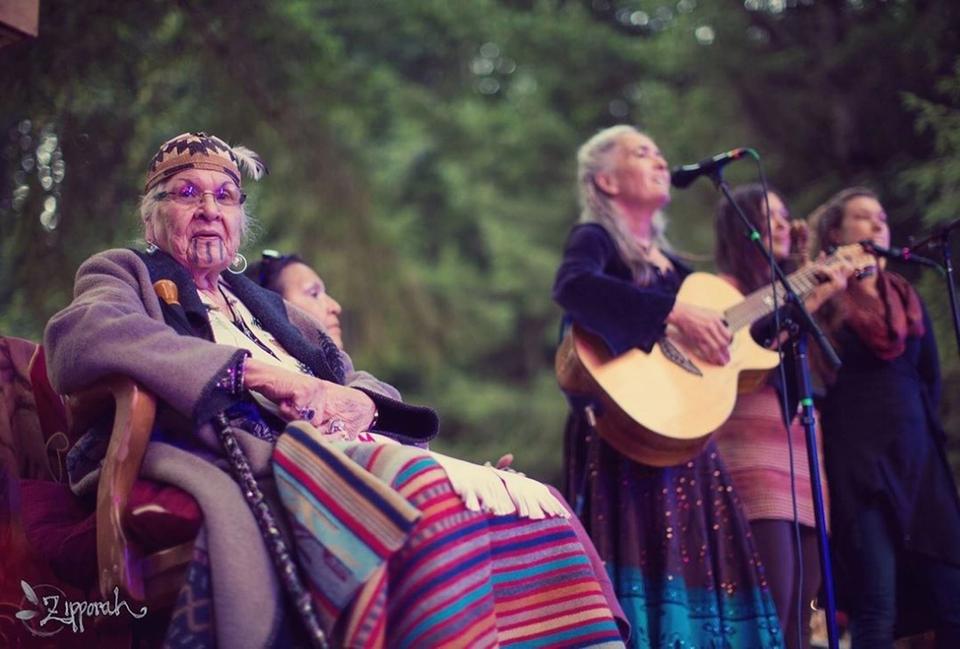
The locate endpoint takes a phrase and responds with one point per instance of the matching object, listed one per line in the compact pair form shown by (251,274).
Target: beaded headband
(201,151)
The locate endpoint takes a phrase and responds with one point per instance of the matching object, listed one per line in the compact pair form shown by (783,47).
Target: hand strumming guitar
(704,331)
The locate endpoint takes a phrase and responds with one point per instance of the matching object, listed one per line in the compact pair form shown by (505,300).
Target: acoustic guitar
(659,408)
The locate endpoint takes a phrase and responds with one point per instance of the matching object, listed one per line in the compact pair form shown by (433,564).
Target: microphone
(899,254)
(682,176)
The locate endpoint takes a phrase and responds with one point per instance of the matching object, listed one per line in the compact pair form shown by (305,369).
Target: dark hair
(266,272)
(829,216)
(734,253)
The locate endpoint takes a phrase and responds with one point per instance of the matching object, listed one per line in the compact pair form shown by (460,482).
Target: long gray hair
(594,157)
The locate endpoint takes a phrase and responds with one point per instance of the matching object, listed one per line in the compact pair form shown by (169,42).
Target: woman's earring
(151,247)
(238,265)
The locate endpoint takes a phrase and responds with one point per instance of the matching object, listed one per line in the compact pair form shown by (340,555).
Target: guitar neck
(761,302)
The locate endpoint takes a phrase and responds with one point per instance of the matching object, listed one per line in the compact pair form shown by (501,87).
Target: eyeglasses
(226,195)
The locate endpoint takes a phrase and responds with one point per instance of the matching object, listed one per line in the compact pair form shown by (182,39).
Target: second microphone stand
(940,240)
(802,325)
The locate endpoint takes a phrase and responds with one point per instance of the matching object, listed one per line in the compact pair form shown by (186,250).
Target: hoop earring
(238,265)
(151,247)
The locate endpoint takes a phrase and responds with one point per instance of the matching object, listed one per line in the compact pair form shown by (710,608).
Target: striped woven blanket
(394,558)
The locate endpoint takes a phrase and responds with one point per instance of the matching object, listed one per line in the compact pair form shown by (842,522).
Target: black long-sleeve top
(596,289)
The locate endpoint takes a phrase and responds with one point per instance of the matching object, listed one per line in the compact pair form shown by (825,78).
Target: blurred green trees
(422,153)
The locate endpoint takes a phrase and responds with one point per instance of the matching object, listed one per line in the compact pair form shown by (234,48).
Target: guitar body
(659,408)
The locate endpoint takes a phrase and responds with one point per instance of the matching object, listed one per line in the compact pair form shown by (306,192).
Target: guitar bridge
(676,356)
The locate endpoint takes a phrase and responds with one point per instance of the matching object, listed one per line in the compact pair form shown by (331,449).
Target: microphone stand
(940,239)
(798,330)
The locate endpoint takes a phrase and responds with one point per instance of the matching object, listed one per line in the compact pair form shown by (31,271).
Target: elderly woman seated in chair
(308,485)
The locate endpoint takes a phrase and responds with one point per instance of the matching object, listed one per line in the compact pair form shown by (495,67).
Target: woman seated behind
(299,284)
(396,545)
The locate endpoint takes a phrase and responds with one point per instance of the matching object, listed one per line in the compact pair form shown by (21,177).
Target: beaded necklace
(242,325)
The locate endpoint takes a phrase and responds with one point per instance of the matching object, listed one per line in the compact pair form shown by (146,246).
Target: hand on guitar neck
(833,278)
(704,330)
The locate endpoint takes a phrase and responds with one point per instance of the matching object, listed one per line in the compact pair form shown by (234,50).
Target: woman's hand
(705,331)
(347,411)
(297,395)
(799,240)
(834,279)
(332,408)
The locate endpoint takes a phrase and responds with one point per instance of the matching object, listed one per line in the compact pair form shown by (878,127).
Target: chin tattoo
(207,252)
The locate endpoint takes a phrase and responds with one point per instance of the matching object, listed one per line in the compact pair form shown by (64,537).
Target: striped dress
(756,450)
(754,446)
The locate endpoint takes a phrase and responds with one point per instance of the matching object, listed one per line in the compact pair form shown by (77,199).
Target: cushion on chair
(61,530)
(160,516)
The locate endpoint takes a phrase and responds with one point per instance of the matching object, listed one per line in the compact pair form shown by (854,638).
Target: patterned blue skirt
(676,545)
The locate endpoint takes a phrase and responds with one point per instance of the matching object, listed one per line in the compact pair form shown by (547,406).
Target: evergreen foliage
(422,154)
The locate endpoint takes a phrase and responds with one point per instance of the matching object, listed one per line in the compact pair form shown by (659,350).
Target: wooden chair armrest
(118,559)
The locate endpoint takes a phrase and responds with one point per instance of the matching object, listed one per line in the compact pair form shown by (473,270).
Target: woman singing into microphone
(895,512)
(674,539)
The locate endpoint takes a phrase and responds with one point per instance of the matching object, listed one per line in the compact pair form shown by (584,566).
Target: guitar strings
(760,303)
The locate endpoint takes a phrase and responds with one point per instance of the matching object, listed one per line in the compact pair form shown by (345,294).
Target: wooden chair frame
(153,579)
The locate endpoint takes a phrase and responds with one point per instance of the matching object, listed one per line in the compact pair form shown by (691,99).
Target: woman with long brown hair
(895,511)
(757,439)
